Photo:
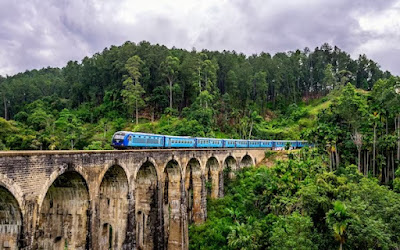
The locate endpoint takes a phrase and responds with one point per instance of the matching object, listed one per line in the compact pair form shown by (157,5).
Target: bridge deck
(68,152)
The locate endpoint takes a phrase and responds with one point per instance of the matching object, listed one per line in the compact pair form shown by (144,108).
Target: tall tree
(170,70)
(133,91)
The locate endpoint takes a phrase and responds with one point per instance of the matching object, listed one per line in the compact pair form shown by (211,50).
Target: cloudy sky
(37,33)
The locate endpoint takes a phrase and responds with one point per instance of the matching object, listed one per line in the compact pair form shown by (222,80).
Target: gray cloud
(38,33)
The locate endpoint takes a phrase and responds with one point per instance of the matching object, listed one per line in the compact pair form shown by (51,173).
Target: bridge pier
(140,199)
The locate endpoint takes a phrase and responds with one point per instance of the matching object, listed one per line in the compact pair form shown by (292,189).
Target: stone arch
(194,183)
(63,218)
(172,195)
(173,160)
(212,177)
(147,160)
(113,208)
(55,175)
(228,173)
(13,188)
(246,161)
(126,172)
(147,207)
(230,166)
(10,220)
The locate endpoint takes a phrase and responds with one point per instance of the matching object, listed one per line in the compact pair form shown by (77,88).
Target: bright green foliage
(301,204)
(362,128)
(339,219)
(70,126)
(292,232)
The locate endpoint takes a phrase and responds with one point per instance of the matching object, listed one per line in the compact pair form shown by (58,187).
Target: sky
(36,33)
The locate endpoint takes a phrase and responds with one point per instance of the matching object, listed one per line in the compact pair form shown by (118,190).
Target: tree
(133,92)
(69,129)
(292,232)
(329,77)
(338,218)
(170,70)
(358,141)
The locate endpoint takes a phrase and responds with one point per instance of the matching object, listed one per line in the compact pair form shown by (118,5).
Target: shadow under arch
(228,173)
(194,188)
(10,220)
(13,188)
(247,161)
(147,207)
(63,217)
(113,208)
(172,195)
(212,176)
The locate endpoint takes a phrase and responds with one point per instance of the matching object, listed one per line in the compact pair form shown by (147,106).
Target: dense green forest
(301,204)
(151,88)
(341,193)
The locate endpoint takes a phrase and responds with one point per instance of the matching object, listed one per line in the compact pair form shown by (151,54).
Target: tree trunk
(251,129)
(199,82)
(170,93)
(5,106)
(359,160)
(367,165)
(387,124)
(374,151)
(387,168)
(393,166)
(398,138)
(337,156)
(137,113)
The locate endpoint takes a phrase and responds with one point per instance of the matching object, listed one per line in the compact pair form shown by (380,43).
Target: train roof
(179,136)
(206,138)
(141,133)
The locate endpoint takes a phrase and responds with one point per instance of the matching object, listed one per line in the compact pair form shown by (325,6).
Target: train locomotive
(127,140)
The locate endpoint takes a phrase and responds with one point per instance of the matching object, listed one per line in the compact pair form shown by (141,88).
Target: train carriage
(209,143)
(229,143)
(254,144)
(302,144)
(242,143)
(179,142)
(266,144)
(279,144)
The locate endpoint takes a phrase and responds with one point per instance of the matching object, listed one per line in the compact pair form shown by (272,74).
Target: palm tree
(338,218)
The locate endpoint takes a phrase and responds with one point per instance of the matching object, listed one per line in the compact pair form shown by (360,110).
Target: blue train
(125,139)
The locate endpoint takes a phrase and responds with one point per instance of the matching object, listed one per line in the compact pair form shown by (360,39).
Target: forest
(151,88)
(342,193)
(301,204)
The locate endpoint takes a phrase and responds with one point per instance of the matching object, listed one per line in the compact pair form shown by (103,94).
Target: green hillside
(152,88)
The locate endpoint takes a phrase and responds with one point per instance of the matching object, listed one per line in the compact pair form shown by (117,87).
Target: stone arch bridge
(133,199)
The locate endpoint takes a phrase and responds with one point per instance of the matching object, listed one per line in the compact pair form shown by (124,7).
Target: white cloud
(39,33)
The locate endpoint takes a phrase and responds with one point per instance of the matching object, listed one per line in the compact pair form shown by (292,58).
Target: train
(127,140)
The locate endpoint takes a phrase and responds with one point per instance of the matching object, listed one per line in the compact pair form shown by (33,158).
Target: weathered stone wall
(10,220)
(139,199)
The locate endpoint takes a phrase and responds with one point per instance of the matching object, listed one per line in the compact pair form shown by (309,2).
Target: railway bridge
(126,199)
